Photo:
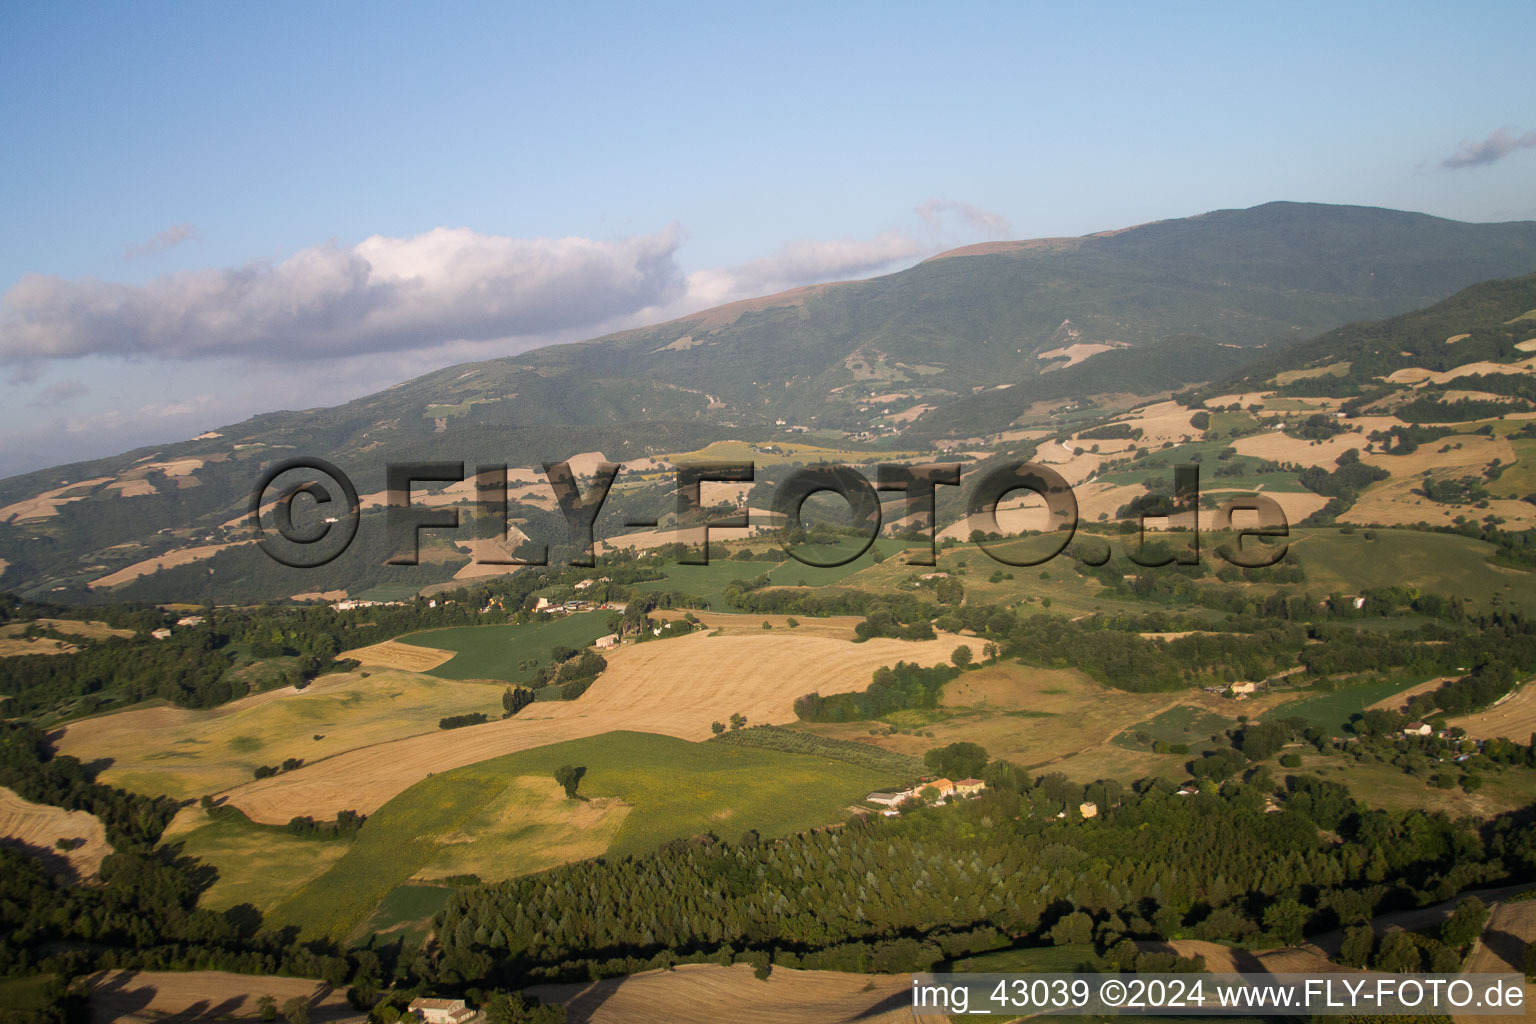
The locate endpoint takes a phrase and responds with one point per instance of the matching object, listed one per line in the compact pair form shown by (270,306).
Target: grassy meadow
(672,789)
(508,653)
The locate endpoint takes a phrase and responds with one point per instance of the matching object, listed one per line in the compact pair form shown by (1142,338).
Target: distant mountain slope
(958,346)
(1484,321)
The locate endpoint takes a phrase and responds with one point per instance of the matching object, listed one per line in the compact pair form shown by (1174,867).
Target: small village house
(969,787)
(440,1011)
(611,640)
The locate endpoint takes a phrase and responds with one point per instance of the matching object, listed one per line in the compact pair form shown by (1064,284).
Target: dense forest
(1014,866)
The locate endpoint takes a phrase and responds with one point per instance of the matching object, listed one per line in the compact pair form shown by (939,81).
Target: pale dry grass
(320,595)
(12,643)
(42,826)
(169,560)
(397,655)
(1163,421)
(1483,368)
(673,687)
(837,627)
(497,549)
(710,994)
(1055,719)
(1245,399)
(144,996)
(137,487)
(46,504)
(909,414)
(1285,377)
(1278,446)
(1076,353)
(185,753)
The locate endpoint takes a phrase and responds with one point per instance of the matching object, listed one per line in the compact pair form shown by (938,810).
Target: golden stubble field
(1514,717)
(709,993)
(671,687)
(185,753)
(122,996)
(42,826)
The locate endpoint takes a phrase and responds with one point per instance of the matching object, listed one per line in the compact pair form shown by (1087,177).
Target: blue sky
(187,191)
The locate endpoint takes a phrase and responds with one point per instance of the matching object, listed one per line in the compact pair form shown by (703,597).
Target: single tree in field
(266,1006)
(738,720)
(717,727)
(569,776)
(296,1010)
(962,656)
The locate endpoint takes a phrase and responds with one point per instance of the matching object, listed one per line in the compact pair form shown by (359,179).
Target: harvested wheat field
(1279,446)
(1163,421)
(46,504)
(41,826)
(1513,717)
(396,655)
(1501,950)
(674,687)
(134,996)
(169,560)
(185,753)
(709,994)
(1399,701)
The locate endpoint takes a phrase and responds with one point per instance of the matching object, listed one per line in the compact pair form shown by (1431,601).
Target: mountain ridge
(922,359)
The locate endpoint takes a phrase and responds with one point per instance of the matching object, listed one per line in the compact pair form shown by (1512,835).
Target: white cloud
(994,225)
(1490,150)
(161,241)
(384,294)
(800,263)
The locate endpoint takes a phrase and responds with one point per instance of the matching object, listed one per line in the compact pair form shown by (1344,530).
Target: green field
(1520,479)
(257,865)
(387,592)
(30,992)
(405,915)
(496,652)
(1432,562)
(708,582)
(675,789)
(1183,724)
(1332,711)
(1068,959)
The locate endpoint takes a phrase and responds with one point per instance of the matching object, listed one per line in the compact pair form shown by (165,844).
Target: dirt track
(673,687)
(709,994)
